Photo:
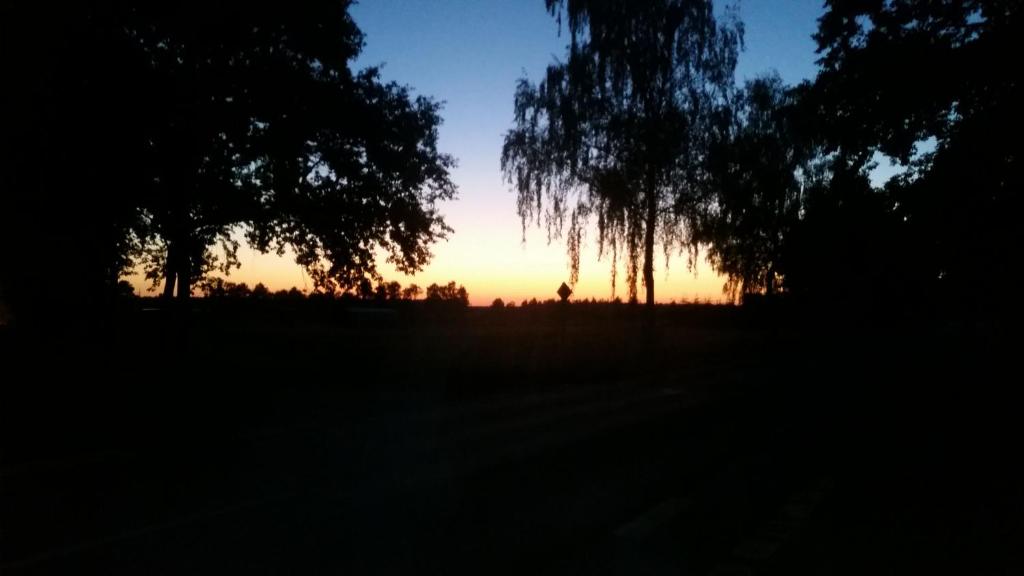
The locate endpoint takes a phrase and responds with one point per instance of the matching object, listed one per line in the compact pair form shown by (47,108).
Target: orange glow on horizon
(490,269)
(486,254)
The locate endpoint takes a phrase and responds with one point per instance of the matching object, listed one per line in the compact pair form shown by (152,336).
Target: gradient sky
(469,54)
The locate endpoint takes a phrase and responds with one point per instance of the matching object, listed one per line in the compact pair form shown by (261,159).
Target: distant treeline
(388,292)
(220,289)
(584,302)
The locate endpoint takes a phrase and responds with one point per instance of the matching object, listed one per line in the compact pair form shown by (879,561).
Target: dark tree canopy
(305,153)
(448,293)
(924,83)
(180,125)
(72,164)
(757,170)
(618,132)
(897,74)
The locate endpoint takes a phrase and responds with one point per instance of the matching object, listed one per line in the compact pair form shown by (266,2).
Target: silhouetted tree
(271,129)
(364,289)
(840,249)
(214,288)
(71,159)
(448,293)
(411,292)
(388,291)
(618,131)
(177,125)
(757,170)
(897,75)
(240,290)
(498,303)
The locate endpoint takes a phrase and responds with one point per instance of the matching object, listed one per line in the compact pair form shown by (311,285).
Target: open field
(255,438)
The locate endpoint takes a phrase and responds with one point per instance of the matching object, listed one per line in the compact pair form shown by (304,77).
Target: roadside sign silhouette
(564,292)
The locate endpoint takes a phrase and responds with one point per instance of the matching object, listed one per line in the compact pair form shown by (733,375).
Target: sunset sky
(469,54)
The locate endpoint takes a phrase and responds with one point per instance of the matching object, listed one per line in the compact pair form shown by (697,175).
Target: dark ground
(306,438)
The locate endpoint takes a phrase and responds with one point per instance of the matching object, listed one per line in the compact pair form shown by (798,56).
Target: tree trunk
(170,271)
(184,276)
(769,283)
(651,221)
(177,272)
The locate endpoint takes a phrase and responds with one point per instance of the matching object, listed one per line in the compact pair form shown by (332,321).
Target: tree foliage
(757,170)
(928,84)
(411,292)
(919,82)
(178,126)
(72,164)
(448,293)
(618,132)
(280,135)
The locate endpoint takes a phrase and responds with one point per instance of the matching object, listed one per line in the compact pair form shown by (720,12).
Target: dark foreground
(535,441)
